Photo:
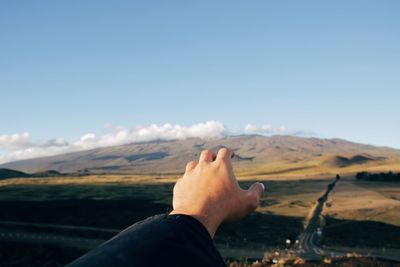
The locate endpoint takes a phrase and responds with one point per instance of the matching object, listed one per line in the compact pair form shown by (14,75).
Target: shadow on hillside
(349,233)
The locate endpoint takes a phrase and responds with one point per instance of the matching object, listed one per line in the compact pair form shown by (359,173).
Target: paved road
(308,240)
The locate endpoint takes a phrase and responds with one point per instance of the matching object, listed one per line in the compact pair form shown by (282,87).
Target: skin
(209,191)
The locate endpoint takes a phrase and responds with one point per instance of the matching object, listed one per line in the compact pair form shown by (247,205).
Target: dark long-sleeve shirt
(161,240)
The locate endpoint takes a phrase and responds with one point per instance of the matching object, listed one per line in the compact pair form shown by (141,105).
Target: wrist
(210,223)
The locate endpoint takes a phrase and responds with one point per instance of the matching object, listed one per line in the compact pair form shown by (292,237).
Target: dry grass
(375,201)
(280,167)
(314,168)
(352,199)
(109,179)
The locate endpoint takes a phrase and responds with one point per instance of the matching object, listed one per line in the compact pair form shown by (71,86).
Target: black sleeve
(161,240)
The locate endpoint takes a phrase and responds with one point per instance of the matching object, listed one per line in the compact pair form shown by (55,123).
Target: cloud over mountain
(15,141)
(21,146)
(268,129)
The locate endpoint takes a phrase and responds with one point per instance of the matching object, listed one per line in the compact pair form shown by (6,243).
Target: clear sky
(330,68)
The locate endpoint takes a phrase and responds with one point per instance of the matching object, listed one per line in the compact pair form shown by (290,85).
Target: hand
(209,191)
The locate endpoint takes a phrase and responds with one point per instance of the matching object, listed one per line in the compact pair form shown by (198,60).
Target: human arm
(206,196)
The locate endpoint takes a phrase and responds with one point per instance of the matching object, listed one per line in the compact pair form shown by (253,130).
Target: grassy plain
(310,168)
(116,201)
(365,201)
(351,199)
(283,197)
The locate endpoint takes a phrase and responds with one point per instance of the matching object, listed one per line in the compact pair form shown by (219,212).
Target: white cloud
(143,133)
(267,129)
(20,146)
(15,141)
(264,129)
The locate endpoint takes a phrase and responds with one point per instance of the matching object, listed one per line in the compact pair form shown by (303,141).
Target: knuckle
(190,164)
(206,152)
(207,155)
(224,150)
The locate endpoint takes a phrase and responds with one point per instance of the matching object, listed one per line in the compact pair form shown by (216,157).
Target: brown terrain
(116,186)
(256,156)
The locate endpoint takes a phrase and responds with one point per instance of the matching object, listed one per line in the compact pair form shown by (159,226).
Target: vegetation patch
(115,214)
(378,177)
(20,254)
(258,229)
(350,233)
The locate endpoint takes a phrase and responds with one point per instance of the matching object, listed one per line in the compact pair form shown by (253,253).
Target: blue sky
(332,68)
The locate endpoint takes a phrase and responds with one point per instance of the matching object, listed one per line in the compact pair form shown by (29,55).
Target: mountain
(255,155)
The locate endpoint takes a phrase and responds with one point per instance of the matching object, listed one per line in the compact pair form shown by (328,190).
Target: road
(308,247)
(308,240)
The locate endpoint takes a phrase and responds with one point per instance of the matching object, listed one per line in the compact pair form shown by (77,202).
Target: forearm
(175,240)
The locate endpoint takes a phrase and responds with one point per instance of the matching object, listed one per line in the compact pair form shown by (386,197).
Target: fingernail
(263,186)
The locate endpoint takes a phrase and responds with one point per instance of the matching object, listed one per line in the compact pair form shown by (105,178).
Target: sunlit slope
(275,156)
(360,200)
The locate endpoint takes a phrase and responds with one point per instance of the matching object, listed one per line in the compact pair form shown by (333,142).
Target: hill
(8,173)
(255,155)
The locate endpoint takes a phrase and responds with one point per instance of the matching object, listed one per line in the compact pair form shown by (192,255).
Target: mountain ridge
(254,154)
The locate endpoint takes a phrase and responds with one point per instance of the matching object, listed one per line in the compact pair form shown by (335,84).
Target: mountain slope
(255,155)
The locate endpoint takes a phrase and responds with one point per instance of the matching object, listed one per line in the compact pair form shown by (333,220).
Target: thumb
(254,194)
